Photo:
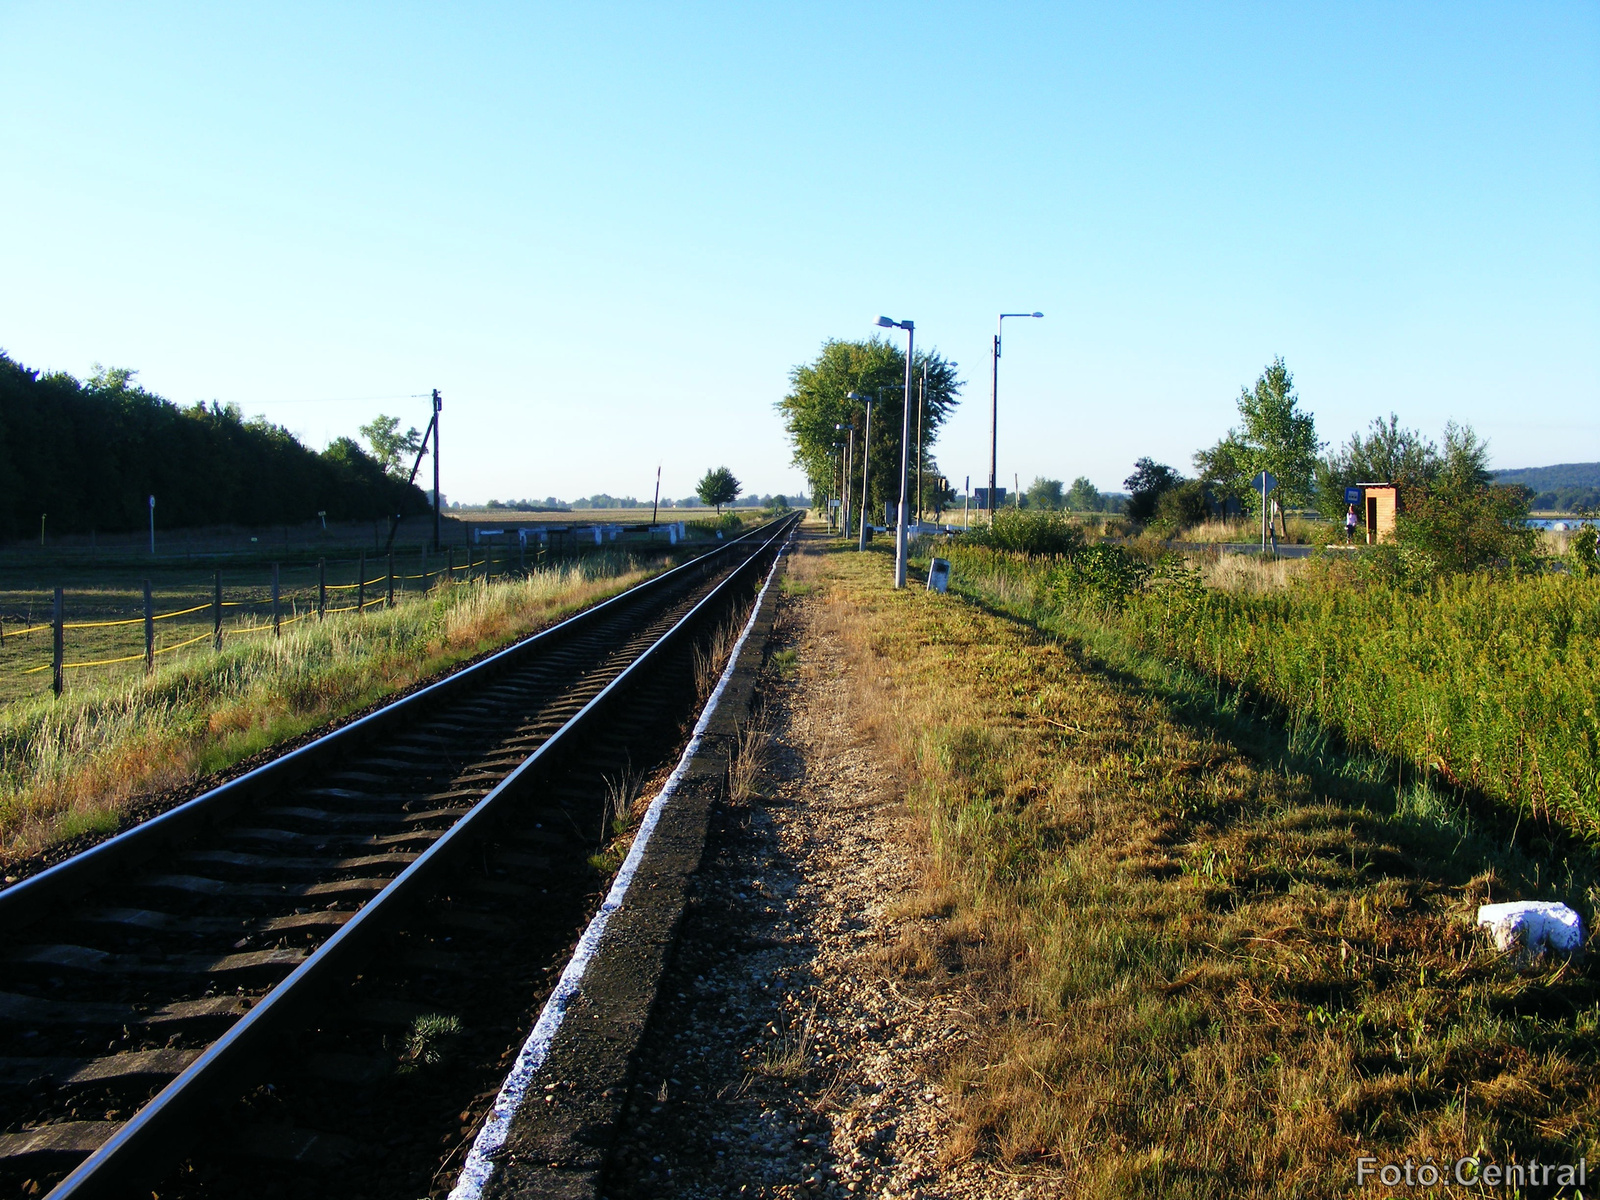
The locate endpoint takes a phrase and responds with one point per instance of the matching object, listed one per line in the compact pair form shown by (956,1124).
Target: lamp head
(853,396)
(885,323)
(1038,314)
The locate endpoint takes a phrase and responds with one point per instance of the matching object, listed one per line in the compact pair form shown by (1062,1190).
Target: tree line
(88,454)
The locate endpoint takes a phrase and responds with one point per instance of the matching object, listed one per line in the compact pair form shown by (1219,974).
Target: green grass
(1485,683)
(1204,952)
(70,766)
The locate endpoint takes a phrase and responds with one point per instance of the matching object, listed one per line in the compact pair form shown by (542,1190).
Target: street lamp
(866,464)
(849,472)
(837,468)
(905,448)
(922,403)
(994,403)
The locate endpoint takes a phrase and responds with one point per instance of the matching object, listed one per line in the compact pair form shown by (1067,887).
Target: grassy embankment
(72,766)
(1211,956)
(1483,682)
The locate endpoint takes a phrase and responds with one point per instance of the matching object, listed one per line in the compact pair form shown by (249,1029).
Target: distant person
(1350,525)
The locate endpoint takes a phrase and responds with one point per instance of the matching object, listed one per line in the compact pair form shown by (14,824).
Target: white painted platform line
(478,1168)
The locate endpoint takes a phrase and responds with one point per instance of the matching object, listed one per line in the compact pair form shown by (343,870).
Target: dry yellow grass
(71,766)
(1205,967)
(1247,573)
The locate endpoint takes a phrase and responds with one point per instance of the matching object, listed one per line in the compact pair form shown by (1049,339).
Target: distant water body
(1559,522)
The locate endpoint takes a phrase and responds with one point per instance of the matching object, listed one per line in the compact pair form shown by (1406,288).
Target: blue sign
(1352,495)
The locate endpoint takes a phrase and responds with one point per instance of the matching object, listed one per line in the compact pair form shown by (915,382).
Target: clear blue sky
(606,232)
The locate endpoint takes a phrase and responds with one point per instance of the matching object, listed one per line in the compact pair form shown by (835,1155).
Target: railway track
(307,981)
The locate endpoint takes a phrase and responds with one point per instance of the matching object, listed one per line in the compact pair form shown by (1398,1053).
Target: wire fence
(31,645)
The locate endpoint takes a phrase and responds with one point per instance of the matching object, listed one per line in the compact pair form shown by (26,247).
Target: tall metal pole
(438,406)
(922,404)
(994,403)
(866,464)
(656,507)
(905,459)
(849,480)
(994,413)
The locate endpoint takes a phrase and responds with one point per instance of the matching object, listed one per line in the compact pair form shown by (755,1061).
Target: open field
(1205,955)
(74,764)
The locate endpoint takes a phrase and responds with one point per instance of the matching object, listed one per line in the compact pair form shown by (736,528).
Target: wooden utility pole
(656,507)
(149,630)
(438,406)
(59,644)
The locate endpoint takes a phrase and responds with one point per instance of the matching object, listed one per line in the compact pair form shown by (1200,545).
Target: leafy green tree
(393,450)
(1228,468)
(1274,436)
(1146,485)
(1084,497)
(818,402)
(1044,493)
(717,487)
(1389,453)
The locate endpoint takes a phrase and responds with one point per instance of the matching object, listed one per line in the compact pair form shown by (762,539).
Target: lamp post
(994,403)
(922,406)
(849,474)
(866,465)
(836,485)
(905,448)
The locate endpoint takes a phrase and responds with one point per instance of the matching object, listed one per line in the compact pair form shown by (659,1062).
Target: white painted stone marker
(1535,925)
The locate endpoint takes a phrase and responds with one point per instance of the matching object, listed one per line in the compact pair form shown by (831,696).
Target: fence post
(361,584)
(149,630)
(389,599)
(216,612)
(57,674)
(277,630)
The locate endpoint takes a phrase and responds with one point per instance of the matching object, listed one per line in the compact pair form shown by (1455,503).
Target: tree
(717,487)
(1274,436)
(818,402)
(1044,493)
(1388,454)
(1278,436)
(1228,468)
(1083,496)
(393,450)
(1146,485)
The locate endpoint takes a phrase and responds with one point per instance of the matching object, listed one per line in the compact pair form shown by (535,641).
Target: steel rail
(42,894)
(175,1113)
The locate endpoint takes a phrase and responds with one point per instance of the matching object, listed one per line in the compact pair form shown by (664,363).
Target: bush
(1180,507)
(1029,531)
(1462,528)
(1583,554)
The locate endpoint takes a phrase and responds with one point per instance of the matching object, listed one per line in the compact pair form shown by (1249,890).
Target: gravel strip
(783,1058)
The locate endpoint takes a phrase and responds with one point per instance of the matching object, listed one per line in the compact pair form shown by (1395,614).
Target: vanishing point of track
(227,998)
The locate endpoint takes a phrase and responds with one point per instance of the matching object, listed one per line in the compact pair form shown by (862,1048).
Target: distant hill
(1563,487)
(1544,479)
